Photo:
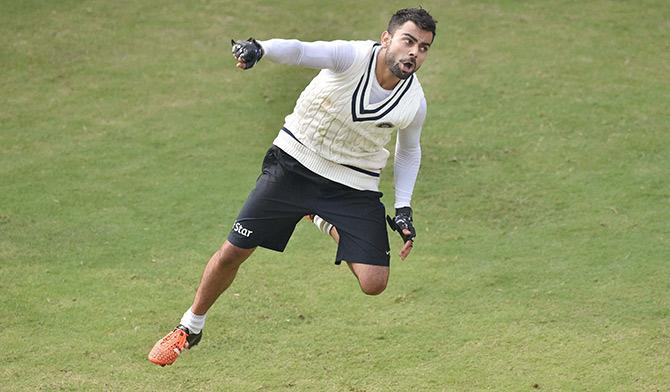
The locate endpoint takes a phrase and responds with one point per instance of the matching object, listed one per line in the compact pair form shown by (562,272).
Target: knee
(373,286)
(231,256)
(371,278)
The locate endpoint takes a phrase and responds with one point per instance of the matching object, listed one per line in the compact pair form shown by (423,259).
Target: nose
(412,51)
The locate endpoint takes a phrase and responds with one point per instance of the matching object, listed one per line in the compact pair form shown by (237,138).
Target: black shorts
(286,191)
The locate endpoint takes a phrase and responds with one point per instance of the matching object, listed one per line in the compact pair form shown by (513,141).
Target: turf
(128,142)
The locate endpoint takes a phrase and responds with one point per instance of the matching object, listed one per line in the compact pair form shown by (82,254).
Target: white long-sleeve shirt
(338,57)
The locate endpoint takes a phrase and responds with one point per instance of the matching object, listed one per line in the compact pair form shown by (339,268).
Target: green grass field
(128,142)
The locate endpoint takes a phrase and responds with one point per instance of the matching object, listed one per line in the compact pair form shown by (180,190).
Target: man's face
(406,49)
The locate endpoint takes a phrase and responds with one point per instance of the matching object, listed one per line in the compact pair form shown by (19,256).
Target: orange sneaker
(167,350)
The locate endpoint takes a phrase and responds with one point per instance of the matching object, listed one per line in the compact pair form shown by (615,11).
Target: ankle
(194,322)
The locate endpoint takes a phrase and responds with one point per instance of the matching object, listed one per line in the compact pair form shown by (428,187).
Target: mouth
(407,66)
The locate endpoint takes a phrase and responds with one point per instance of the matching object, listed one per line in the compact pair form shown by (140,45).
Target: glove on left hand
(402,221)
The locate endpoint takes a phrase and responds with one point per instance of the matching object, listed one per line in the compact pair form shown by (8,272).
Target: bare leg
(336,236)
(218,275)
(371,278)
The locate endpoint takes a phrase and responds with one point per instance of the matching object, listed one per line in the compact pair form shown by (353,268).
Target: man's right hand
(247,53)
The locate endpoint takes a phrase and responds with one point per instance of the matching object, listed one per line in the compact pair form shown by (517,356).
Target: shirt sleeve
(336,56)
(408,158)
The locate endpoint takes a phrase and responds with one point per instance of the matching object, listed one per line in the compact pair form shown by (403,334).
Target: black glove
(249,51)
(402,220)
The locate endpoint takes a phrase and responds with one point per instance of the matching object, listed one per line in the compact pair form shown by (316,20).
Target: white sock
(322,224)
(195,323)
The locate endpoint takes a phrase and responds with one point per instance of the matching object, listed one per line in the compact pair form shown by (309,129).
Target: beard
(401,69)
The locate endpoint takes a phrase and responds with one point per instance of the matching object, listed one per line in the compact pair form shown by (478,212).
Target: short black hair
(419,16)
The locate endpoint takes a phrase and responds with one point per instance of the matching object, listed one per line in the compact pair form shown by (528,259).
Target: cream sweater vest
(336,133)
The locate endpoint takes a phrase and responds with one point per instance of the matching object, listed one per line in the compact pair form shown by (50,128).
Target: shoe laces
(176,340)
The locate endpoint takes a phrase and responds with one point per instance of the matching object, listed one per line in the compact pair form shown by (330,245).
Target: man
(326,160)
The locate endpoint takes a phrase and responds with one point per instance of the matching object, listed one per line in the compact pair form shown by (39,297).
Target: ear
(386,39)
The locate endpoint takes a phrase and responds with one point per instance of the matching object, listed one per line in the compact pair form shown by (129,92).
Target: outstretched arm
(336,56)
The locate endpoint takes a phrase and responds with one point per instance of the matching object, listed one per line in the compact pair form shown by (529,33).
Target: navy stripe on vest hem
(358,169)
